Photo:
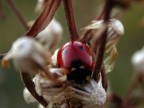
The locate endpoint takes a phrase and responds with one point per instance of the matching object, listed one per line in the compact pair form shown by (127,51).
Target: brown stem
(18,14)
(137,80)
(26,78)
(100,54)
(70,19)
(45,18)
(2,14)
(116,100)
(104,78)
(102,39)
(1,56)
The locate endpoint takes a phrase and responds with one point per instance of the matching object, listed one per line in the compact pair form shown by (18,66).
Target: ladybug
(77,58)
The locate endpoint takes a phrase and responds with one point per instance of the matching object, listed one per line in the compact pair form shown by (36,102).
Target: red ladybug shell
(75,51)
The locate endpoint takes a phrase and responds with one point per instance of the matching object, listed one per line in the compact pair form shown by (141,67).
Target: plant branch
(45,18)
(1,56)
(18,14)
(26,78)
(70,19)
(102,39)
(104,78)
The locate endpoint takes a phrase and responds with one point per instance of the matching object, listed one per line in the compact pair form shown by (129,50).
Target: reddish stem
(18,14)
(26,78)
(104,78)
(45,18)
(1,56)
(70,19)
(102,40)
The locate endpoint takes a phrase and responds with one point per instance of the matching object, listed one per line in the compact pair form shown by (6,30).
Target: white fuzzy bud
(97,92)
(28,97)
(98,95)
(27,55)
(115,29)
(138,60)
(51,35)
(40,6)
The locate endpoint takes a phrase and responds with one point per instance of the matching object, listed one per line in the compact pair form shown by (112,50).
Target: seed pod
(51,35)
(138,60)
(28,55)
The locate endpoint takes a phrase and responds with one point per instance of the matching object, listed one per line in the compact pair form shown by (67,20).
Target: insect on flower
(67,79)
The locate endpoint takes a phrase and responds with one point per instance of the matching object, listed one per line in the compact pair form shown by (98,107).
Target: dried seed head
(28,55)
(98,95)
(51,35)
(97,92)
(51,90)
(28,97)
(138,60)
(115,29)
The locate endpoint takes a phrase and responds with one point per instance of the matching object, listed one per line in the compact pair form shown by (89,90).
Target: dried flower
(138,60)
(115,30)
(28,55)
(93,94)
(51,35)
(52,91)
(98,94)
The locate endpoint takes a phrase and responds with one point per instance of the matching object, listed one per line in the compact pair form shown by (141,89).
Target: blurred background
(11,86)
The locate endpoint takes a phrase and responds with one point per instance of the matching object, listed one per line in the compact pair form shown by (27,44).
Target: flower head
(138,60)
(27,55)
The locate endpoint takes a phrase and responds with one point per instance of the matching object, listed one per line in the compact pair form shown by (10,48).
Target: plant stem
(102,39)
(26,78)
(45,18)
(70,19)
(18,14)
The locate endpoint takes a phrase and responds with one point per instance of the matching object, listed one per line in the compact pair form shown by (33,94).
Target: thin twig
(45,18)
(137,80)
(70,19)
(104,78)
(26,78)
(18,14)
(1,56)
(102,39)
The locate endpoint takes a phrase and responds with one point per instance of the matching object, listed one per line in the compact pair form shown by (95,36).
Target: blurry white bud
(115,30)
(51,35)
(40,106)
(28,97)
(54,57)
(97,92)
(27,55)
(40,6)
(138,60)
